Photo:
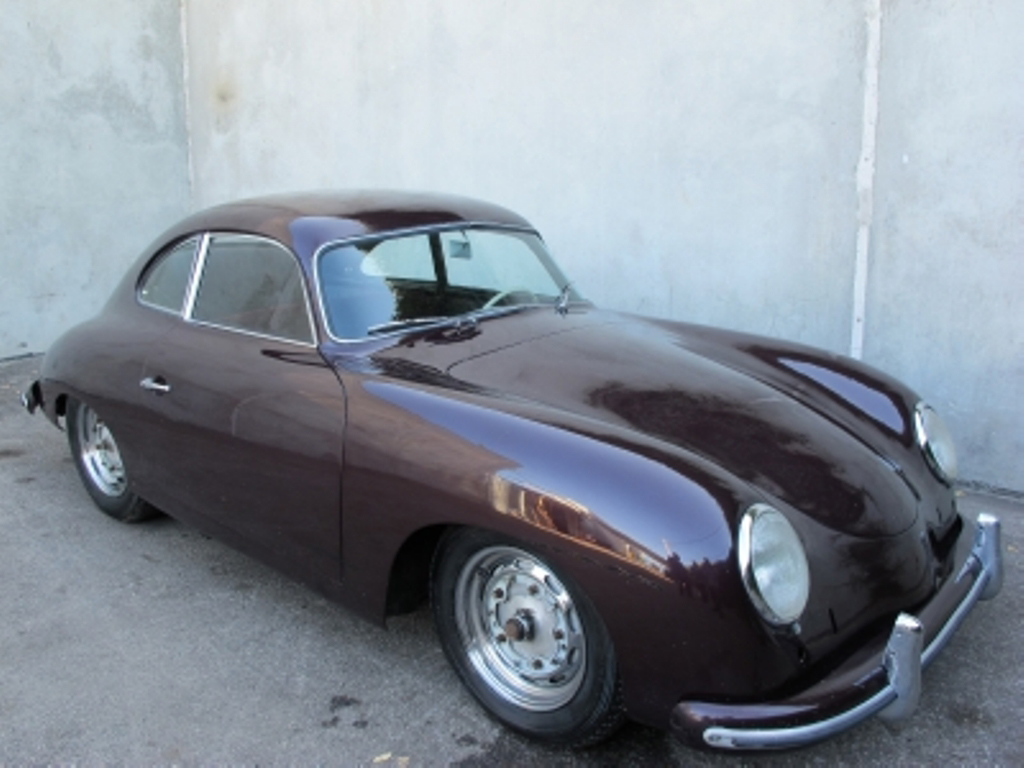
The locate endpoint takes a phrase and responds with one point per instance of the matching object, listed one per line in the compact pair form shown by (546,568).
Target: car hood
(764,422)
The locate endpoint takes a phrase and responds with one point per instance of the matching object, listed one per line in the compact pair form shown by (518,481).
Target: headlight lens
(936,442)
(773,564)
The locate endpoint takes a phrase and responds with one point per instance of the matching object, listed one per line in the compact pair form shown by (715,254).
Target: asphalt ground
(153,644)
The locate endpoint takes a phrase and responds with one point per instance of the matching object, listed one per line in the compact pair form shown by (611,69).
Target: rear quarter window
(165,282)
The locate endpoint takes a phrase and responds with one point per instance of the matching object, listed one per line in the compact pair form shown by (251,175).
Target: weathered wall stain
(94,161)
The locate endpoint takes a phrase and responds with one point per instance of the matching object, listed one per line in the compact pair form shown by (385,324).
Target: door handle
(157,385)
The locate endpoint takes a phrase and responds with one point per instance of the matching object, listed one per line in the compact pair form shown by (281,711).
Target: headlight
(773,564)
(936,442)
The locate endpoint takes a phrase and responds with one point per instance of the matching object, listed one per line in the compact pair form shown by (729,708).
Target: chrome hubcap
(99,453)
(520,629)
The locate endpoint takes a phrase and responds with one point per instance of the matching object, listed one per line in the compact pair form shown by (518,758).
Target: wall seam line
(186,96)
(866,172)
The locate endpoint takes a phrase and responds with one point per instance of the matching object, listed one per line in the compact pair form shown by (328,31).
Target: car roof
(307,220)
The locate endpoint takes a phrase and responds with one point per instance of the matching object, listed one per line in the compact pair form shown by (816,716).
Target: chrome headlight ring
(773,565)
(936,443)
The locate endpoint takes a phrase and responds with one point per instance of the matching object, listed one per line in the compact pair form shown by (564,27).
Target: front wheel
(525,640)
(101,467)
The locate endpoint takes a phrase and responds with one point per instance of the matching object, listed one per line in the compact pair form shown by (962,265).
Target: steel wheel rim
(520,629)
(99,453)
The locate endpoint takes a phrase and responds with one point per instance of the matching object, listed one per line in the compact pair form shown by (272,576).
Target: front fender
(644,529)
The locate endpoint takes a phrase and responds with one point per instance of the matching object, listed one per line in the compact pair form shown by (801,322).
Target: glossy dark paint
(623,458)
(622,449)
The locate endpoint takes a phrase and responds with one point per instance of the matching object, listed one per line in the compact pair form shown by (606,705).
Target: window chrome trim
(197,273)
(253,334)
(394,235)
(197,270)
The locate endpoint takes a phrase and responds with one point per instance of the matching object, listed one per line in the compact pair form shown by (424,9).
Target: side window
(254,285)
(166,280)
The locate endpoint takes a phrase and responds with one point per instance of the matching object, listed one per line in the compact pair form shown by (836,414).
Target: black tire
(99,464)
(525,640)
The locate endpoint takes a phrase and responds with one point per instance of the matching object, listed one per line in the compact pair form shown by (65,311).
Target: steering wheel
(501,296)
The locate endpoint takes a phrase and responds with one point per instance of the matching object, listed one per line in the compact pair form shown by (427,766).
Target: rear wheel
(525,640)
(101,467)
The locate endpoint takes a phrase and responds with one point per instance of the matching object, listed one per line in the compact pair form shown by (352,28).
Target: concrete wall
(710,161)
(697,160)
(93,158)
(947,262)
(685,159)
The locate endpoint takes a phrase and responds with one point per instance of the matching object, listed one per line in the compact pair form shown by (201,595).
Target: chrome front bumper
(895,676)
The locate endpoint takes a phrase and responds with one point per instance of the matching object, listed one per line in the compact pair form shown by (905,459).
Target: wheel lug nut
(501,638)
(537,663)
(559,634)
(499,594)
(534,589)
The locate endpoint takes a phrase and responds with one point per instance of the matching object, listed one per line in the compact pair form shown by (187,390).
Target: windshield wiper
(410,322)
(466,320)
(485,313)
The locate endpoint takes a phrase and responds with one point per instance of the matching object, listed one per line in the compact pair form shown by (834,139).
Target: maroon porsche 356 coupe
(397,396)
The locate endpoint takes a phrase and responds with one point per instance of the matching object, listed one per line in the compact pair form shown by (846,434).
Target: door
(246,419)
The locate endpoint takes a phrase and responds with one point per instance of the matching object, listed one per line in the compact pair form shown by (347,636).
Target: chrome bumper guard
(902,660)
(30,399)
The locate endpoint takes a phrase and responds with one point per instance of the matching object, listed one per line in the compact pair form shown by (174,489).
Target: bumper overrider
(875,681)
(30,399)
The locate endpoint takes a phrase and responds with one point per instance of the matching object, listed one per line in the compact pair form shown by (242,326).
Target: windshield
(372,286)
